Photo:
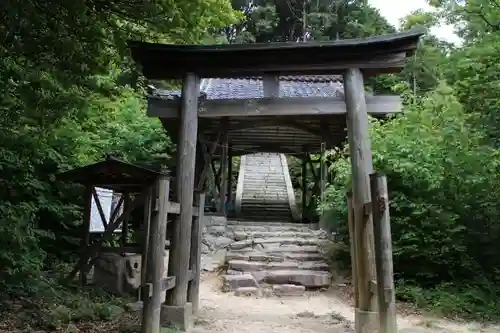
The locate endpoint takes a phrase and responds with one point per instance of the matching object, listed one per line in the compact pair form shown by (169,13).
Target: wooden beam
(85,241)
(207,156)
(372,63)
(289,106)
(383,253)
(361,165)
(352,247)
(230,174)
(146,228)
(195,255)
(125,224)
(99,208)
(175,208)
(155,261)
(186,150)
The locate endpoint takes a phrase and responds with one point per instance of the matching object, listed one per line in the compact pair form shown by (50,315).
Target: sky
(394,10)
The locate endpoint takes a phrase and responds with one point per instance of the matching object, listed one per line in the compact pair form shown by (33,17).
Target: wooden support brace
(195,255)
(383,253)
(99,208)
(146,290)
(155,261)
(207,156)
(85,241)
(146,224)
(92,250)
(352,243)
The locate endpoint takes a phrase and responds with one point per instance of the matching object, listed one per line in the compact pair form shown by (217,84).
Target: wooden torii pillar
(361,166)
(177,309)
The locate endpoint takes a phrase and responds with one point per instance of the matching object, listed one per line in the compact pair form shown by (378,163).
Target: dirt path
(316,313)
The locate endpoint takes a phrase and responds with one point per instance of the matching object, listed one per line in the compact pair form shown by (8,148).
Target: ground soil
(314,313)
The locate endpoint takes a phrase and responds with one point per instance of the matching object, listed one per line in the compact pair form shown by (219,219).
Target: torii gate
(189,116)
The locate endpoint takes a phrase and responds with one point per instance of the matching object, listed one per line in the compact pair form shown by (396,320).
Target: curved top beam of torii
(373,55)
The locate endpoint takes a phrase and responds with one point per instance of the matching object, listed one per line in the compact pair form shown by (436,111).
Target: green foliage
(70,96)
(444,202)
(270,20)
(474,72)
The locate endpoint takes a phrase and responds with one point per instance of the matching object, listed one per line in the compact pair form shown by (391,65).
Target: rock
(211,262)
(288,290)
(233,282)
(72,329)
(260,275)
(216,243)
(246,266)
(291,249)
(217,230)
(247,291)
(236,256)
(315,266)
(233,272)
(134,307)
(282,265)
(210,220)
(265,257)
(305,314)
(302,277)
(205,249)
(241,244)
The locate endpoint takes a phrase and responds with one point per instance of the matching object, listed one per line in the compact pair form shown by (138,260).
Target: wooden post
(304,188)
(145,235)
(383,253)
(230,175)
(125,224)
(350,224)
(195,257)
(361,165)
(85,241)
(151,290)
(186,149)
(323,171)
(322,182)
(223,167)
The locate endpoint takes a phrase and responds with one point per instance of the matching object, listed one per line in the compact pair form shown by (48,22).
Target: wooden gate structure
(192,121)
(150,190)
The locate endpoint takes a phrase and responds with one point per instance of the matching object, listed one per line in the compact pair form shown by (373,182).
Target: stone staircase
(275,258)
(264,190)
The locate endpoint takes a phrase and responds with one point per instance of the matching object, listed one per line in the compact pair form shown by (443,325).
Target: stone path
(262,190)
(278,258)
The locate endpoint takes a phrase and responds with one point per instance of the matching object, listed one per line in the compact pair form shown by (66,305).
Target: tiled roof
(253,88)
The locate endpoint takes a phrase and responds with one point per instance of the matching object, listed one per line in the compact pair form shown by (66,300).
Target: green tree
(292,20)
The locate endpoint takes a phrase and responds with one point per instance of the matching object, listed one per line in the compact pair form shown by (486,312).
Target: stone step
(233,282)
(265,202)
(283,241)
(251,266)
(257,223)
(265,192)
(256,255)
(265,227)
(240,235)
(268,216)
(288,290)
(306,278)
